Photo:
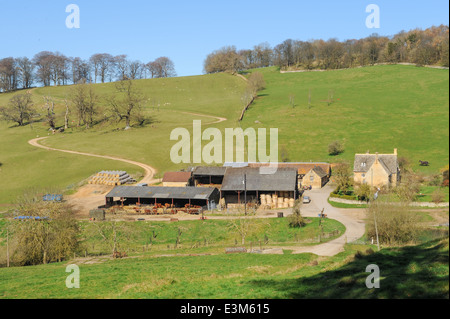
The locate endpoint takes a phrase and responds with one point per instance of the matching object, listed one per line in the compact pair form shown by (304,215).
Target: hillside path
(149,171)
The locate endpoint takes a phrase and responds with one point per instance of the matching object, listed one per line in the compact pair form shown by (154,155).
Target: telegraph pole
(375,220)
(245,193)
(7,246)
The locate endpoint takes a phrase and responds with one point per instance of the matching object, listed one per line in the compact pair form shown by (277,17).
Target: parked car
(306,200)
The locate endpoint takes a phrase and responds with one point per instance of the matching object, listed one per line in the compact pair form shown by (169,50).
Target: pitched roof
(209,170)
(363,162)
(162,192)
(284,179)
(176,177)
(302,167)
(319,171)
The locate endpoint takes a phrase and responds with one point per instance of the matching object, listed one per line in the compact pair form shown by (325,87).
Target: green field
(375,108)
(24,166)
(405,273)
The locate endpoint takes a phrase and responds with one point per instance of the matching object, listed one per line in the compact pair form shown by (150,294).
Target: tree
(256,82)
(395,223)
(245,227)
(224,60)
(335,148)
(408,189)
(26,70)
(364,192)
(8,74)
(166,67)
(52,237)
(80,71)
(438,196)
(85,101)
(19,110)
(50,105)
(342,175)
(121,63)
(43,62)
(296,220)
(102,63)
(129,106)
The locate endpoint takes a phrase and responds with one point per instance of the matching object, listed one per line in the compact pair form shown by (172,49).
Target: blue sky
(186,31)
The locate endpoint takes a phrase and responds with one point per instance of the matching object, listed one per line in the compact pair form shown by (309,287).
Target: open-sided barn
(177,196)
(208,175)
(251,183)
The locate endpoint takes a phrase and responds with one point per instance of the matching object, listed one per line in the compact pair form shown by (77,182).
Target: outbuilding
(176,196)
(251,184)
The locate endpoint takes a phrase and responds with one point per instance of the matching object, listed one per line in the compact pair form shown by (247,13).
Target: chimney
(395,151)
(376,158)
(368,152)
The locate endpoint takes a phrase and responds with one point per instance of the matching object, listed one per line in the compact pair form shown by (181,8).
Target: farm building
(304,168)
(376,169)
(175,196)
(177,179)
(248,182)
(315,178)
(208,176)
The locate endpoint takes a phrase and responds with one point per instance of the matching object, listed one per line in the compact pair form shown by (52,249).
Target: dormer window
(363,164)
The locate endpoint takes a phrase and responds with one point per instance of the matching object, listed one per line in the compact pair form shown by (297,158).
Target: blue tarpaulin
(52,198)
(31,217)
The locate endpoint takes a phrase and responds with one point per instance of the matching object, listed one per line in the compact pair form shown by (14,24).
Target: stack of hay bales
(277,200)
(111,178)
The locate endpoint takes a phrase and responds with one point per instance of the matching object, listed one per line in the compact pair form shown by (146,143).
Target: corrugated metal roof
(284,179)
(161,192)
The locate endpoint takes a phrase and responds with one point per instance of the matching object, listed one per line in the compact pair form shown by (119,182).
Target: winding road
(149,171)
(352,219)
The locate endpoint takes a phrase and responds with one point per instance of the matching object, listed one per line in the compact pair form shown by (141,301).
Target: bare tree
(50,106)
(26,70)
(19,110)
(85,101)
(128,106)
(162,67)
(121,64)
(8,75)
(102,64)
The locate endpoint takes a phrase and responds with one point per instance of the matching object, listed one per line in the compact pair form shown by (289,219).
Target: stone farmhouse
(376,170)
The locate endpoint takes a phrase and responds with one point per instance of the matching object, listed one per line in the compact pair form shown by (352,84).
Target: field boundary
(365,66)
(414,204)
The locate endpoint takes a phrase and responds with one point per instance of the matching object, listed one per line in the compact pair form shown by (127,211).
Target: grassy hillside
(410,272)
(376,108)
(24,166)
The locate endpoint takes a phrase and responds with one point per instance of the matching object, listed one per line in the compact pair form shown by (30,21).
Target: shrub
(335,148)
(296,220)
(364,192)
(438,196)
(396,224)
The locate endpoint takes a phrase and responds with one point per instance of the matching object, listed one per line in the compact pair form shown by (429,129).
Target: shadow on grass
(409,272)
